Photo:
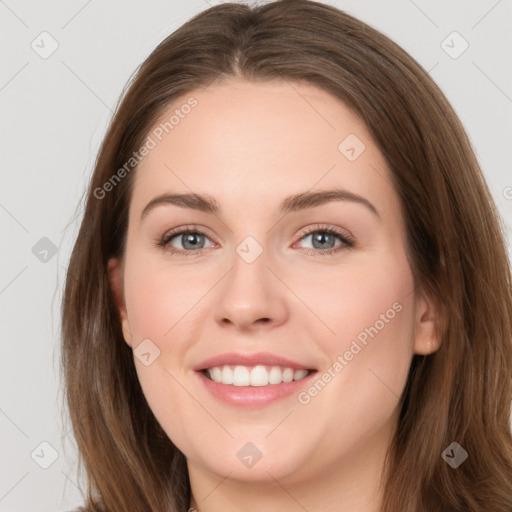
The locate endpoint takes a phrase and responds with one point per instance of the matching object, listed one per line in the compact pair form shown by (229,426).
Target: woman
(342,337)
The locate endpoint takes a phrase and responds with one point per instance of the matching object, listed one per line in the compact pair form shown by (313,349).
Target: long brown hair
(461,393)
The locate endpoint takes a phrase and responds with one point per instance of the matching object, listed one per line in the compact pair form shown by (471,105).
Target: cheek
(160,298)
(356,301)
(159,301)
(371,314)
(368,328)
(364,323)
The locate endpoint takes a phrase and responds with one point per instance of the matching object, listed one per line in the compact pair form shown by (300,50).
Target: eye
(323,240)
(184,241)
(190,241)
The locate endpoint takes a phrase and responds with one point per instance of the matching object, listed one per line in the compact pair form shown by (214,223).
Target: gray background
(54,113)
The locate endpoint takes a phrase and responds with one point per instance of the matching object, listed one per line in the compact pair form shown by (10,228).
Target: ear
(115,273)
(429,318)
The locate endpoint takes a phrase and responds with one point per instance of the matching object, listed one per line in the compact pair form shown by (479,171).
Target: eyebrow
(294,203)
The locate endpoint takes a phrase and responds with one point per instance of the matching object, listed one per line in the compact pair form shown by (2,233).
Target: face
(280,282)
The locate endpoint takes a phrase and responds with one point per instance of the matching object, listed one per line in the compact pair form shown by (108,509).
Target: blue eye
(324,239)
(192,240)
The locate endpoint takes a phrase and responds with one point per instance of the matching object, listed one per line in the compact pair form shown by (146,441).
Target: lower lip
(247,396)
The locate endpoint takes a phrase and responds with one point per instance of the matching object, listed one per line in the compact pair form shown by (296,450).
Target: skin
(249,145)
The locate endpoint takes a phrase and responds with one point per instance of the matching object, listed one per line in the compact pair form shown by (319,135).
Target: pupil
(321,238)
(191,239)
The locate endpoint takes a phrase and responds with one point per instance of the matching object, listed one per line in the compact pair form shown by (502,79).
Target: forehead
(260,140)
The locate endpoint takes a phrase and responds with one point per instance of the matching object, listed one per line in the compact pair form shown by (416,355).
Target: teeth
(241,376)
(254,376)
(288,375)
(275,375)
(217,374)
(259,376)
(225,375)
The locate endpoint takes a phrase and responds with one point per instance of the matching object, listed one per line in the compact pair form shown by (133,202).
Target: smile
(259,375)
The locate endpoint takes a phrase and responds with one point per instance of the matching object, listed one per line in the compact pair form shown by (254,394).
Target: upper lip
(259,358)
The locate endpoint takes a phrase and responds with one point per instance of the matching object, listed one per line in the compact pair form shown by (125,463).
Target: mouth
(255,375)
(253,380)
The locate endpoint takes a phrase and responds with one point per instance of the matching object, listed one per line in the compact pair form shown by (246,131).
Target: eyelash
(347,241)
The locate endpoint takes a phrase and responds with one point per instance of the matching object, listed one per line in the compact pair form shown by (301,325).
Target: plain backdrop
(55,109)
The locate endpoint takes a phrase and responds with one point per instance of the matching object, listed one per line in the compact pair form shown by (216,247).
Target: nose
(251,296)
